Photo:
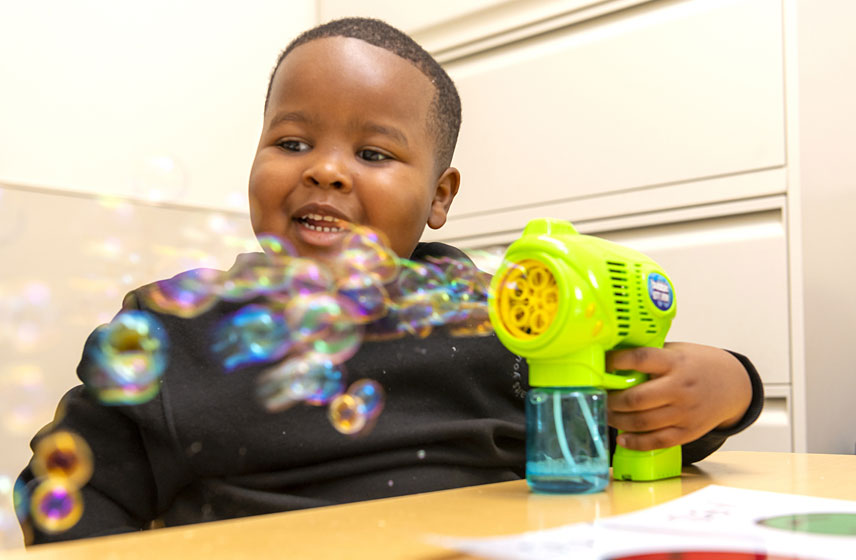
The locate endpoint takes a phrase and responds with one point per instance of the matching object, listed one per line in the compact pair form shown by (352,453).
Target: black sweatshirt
(205,449)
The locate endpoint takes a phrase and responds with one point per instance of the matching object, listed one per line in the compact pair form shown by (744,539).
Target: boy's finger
(647,421)
(655,361)
(658,439)
(648,395)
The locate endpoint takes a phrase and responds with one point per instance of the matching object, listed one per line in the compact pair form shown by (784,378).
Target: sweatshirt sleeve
(713,440)
(118,496)
(125,491)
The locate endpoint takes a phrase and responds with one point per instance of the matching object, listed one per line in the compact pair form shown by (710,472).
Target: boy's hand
(692,389)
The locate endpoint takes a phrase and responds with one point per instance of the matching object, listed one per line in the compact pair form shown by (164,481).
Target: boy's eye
(372,155)
(294,145)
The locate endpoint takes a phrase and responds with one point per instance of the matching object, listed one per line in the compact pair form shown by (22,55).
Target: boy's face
(346,141)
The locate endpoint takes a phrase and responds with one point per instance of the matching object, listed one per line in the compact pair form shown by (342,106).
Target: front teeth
(319,218)
(325,229)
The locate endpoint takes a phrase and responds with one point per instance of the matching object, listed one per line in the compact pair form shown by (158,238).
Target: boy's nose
(328,172)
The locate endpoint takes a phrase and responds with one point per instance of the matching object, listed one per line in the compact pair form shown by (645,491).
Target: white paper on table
(715,518)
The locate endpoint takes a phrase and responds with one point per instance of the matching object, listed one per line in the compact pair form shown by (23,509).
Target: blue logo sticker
(660,291)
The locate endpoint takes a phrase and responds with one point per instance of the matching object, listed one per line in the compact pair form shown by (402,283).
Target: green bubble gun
(561,300)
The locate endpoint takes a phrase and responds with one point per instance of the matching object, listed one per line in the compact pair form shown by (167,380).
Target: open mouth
(325,224)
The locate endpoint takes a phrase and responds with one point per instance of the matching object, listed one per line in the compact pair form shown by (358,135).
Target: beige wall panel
(67,261)
(663,93)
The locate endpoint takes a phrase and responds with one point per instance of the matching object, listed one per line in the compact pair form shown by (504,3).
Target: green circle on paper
(843,524)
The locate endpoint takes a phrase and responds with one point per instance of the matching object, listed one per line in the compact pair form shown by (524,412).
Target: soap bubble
(128,357)
(276,247)
(355,411)
(472,320)
(308,277)
(21,499)
(340,343)
(367,294)
(345,415)
(253,275)
(253,334)
(417,278)
(56,505)
(465,282)
(65,455)
(186,295)
(133,347)
(310,377)
(366,252)
(312,317)
(370,393)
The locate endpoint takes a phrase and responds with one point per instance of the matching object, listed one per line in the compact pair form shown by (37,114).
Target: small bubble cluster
(62,465)
(307,318)
(127,359)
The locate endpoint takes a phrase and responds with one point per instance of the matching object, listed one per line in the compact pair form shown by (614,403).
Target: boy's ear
(444,193)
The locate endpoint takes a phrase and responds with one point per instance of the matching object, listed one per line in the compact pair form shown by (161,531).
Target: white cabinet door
(771,431)
(731,284)
(659,94)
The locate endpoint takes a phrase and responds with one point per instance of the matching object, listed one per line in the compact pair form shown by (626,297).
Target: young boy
(359,128)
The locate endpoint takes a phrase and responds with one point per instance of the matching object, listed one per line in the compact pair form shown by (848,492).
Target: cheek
(256,218)
(265,194)
(404,227)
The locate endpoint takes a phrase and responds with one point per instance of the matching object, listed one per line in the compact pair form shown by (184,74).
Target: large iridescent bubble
(365,252)
(254,274)
(63,455)
(186,295)
(128,357)
(56,505)
(367,294)
(276,247)
(310,377)
(255,333)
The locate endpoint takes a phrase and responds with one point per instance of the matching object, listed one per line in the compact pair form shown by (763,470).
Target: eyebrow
(290,116)
(390,131)
(301,117)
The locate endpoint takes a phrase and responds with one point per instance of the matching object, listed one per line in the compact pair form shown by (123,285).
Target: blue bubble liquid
(567,450)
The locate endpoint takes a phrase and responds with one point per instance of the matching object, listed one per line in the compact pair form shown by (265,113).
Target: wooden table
(396,527)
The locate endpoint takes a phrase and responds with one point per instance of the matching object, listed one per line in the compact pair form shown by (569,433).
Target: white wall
(827,181)
(148,100)
(155,100)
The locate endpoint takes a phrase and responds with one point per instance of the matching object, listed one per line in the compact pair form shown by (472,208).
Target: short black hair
(444,115)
